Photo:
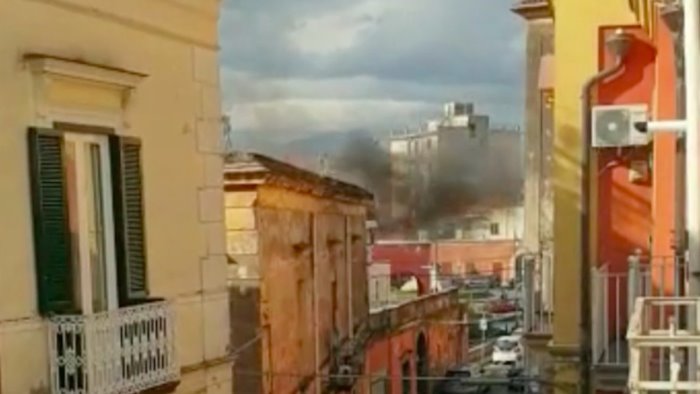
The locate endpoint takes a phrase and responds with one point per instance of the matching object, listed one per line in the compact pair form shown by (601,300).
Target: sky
(293,67)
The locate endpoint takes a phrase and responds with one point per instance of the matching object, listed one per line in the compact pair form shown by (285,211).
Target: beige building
(112,205)
(298,276)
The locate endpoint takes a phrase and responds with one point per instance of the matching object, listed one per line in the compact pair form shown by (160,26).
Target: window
(406,377)
(495,230)
(88,221)
(88,178)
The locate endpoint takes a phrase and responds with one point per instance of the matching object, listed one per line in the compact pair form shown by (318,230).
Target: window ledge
(73,68)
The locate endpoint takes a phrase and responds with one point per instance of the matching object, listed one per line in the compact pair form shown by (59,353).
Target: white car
(507,350)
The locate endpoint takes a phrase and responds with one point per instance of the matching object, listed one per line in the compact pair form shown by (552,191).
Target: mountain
(310,147)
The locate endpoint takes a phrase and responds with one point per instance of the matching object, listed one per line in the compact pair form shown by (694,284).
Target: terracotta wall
(406,259)
(480,257)
(445,344)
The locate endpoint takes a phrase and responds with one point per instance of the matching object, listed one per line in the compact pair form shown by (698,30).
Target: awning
(546,77)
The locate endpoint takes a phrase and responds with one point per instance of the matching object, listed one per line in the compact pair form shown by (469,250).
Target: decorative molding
(77,69)
(533,9)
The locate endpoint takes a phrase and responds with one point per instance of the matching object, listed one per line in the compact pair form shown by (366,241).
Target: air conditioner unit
(614,125)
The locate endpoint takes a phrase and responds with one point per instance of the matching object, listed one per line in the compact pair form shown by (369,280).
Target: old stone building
(297,274)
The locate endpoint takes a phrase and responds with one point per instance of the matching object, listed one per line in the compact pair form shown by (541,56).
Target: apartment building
(538,224)
(297,274)
(112,203)
(417,154)
(627,240)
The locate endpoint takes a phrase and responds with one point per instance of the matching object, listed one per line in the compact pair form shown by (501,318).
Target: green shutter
(129,226)
(52,240)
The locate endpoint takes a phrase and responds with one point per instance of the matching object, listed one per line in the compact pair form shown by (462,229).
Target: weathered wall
(246,338)
(538,136)
(406,259)
(385,353)
(307,256)
(175,111)
(460,259)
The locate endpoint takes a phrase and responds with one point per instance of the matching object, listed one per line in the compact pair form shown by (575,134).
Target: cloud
(326,65)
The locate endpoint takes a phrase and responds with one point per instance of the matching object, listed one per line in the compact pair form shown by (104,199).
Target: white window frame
(81,140)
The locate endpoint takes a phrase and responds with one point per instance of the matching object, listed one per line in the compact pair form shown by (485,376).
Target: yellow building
(577,35)
(112,202)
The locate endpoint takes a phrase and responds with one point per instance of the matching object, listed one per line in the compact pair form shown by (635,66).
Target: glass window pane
(96,240)
(73,218)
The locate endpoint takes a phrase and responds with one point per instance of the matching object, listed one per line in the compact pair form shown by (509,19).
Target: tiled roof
(248,168)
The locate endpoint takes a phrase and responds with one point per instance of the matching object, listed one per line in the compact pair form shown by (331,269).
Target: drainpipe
(617,44)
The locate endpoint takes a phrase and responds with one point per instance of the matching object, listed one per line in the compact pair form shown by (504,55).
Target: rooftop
(249,169)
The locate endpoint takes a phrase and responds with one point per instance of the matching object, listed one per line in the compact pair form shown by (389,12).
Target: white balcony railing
(117,352)
(664,342)
(613,295)
(537,295)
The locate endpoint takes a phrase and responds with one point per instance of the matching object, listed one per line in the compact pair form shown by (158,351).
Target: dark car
(457,381)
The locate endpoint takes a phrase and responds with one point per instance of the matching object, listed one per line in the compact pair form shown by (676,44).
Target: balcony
(613,294)
(537,297)
(128,350)
(663,335)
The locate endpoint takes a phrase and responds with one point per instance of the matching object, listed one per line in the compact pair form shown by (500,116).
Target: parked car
(502,306)
(507,350)
(457,382)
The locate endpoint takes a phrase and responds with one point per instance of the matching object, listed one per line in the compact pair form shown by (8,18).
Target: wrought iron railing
(537,295)
(124,351)
(613,294)
(664,343)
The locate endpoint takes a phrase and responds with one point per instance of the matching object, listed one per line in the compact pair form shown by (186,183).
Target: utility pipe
(618,44)
(691,53)
(661,125)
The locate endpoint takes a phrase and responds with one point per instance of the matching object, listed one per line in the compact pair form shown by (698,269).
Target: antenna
(228,135)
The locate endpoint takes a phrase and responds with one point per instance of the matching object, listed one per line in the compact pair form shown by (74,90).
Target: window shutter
(52,239)
(129,226)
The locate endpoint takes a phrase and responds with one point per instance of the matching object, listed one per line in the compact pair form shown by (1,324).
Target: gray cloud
(315,60)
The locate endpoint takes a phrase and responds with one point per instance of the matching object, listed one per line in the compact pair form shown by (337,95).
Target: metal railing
(613,294)
(124,351)
(537,295)
(663,336)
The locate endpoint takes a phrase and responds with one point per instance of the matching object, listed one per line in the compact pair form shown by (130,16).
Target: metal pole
(691,34)
(484,328)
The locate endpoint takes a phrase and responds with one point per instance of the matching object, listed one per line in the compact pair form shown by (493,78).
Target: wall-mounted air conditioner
(614,125)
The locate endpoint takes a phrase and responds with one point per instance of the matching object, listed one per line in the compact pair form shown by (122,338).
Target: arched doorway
(422,364)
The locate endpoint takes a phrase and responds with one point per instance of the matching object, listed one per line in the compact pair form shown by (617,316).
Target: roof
(254,169)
